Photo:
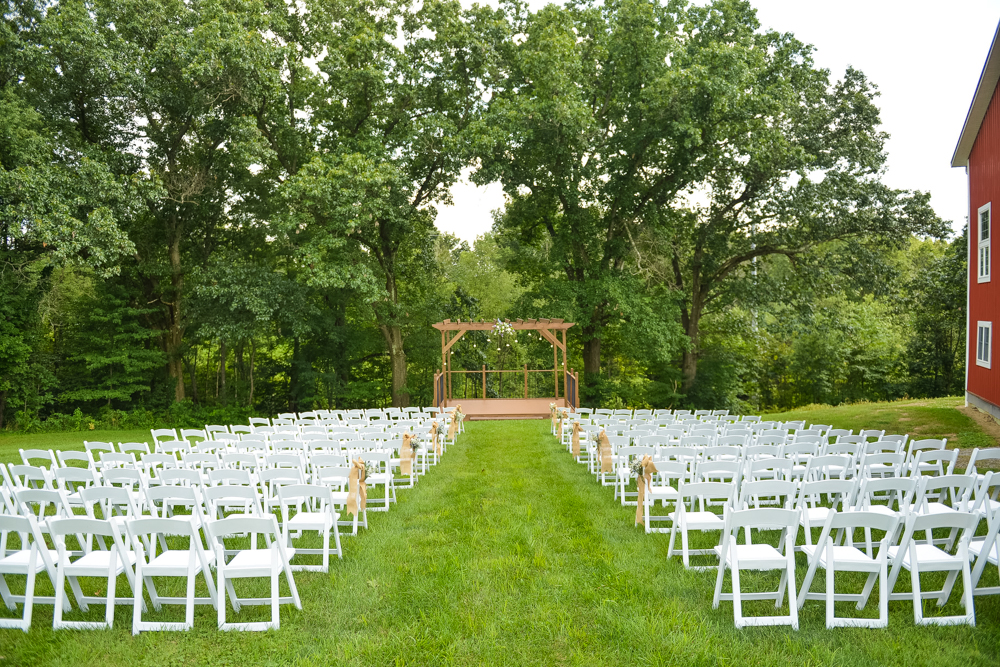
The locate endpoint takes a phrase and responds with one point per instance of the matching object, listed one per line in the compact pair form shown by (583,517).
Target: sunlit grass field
(507,553)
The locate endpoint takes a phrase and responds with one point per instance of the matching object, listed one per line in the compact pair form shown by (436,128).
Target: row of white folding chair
(135,547)
(910,554)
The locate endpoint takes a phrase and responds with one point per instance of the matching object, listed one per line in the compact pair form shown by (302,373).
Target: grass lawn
(11,443)
(920,418)
(508,553)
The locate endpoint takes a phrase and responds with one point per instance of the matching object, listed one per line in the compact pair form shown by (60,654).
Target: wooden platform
(506,408)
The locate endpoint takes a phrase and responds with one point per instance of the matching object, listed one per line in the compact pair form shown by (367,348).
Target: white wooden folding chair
(309,507)
(737,557)
(663,488)
(828,555)
(920,558)
(383,478)
(31,558)
(253,562)
(986,548)
(699,495)
(146,534)
(110,562)
(337,479)
(814,511)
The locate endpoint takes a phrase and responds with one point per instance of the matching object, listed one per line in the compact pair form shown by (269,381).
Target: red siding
(984,298)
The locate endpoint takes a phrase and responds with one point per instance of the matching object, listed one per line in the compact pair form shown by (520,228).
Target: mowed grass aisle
(508,553)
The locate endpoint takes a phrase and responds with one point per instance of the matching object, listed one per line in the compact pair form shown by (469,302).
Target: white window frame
(984,344)
(985,250)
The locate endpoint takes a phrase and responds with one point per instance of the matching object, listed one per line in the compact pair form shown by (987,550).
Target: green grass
(921,418)
(508,553)
(11,443)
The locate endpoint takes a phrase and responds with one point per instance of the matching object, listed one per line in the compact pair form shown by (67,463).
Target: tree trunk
(689,359)
(293,377)
(591,353)
(397,356)
(3,405)
(175,336)
(222,372)
(253,356)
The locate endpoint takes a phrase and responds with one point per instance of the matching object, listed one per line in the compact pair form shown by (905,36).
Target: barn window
(984,243)
(984,344)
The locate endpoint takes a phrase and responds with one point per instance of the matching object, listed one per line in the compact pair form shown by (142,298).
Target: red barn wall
(984,298)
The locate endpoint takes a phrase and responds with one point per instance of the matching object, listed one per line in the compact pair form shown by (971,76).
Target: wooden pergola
(552,330)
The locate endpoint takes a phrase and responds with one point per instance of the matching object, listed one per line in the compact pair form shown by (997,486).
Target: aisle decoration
(435,438)
(357,489)
(605,453)
(552,416)
(643,470)
(576,439)
(456,419)
(563,415)
(407,455)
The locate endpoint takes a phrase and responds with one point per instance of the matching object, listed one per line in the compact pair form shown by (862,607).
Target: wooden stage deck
(506,408)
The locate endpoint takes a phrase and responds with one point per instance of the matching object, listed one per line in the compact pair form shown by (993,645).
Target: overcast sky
(925,57)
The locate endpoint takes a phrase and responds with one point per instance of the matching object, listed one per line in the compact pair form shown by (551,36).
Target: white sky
(925,57)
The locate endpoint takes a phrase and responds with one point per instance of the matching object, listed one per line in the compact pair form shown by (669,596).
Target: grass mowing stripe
(509,553)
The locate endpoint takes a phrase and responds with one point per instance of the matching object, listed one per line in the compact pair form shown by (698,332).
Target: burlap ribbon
(552,416)
(576,439)
(642,482)
(435,438)
(604,452)
(562,416)
(407,455)
(357,490)
(453,426)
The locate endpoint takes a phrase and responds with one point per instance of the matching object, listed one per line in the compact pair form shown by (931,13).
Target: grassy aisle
(508,553)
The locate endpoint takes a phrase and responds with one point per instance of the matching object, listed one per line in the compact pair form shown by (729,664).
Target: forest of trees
(227,206)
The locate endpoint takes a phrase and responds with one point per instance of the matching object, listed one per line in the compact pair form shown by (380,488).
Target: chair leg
(137,597)
(275,569)
(737,598)
(830,593)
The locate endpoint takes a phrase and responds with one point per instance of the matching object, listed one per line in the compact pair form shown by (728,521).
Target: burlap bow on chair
(407,455)
(453,426)
(435,438)
(552,416)
(604,452)
(576,439)
(357,491)
(642,482)
(563,415)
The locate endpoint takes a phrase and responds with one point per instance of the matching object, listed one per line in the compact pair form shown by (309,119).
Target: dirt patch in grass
(983,420)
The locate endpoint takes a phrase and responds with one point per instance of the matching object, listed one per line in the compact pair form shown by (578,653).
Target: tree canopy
(229,204)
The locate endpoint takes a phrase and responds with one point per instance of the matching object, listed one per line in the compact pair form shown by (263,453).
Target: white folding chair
(308,507)
(253,562)
(828,555)
(32,558)
(699,495)
(736,557)
(145,534)
(923,557)
(986,548)
(110,562)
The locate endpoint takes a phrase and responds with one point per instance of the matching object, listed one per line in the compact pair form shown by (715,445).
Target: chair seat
(17,562)
(661,492)
(255,559)
(975,549)
(928,556)
(703,521)
(841,554)
(98,563)
(754,556)
(174,559)
(305,520)
(814,515)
